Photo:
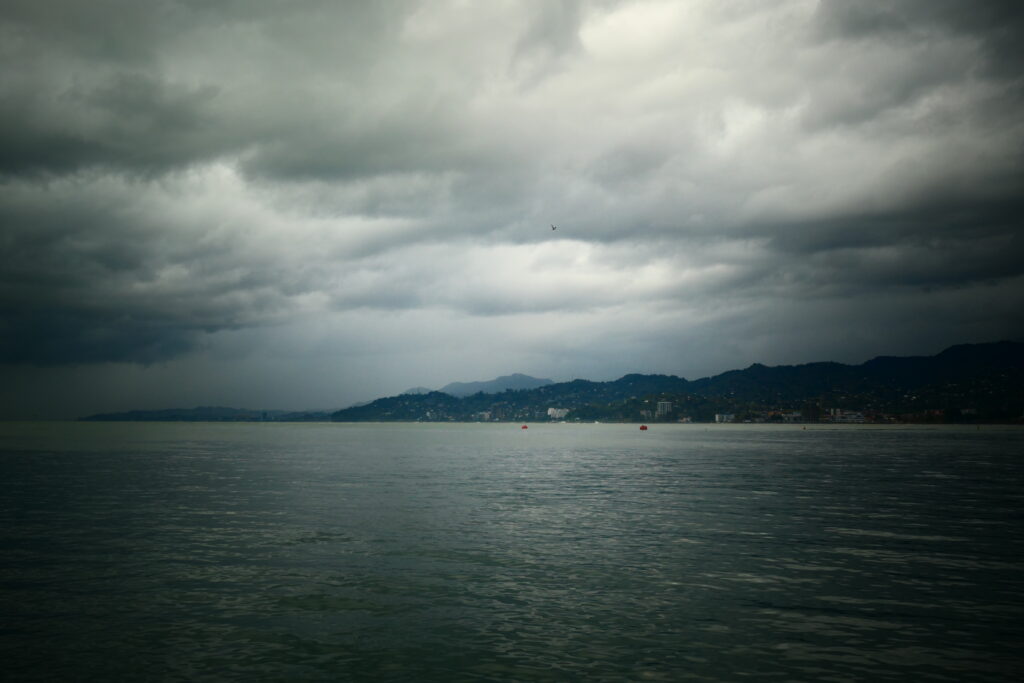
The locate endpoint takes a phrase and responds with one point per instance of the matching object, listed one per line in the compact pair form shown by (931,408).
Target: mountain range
(969,381)
(964,382)
(514,382)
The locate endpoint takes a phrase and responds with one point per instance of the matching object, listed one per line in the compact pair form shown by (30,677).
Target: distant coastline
(965,384)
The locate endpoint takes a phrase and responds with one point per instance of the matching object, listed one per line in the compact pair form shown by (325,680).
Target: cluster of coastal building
(834,415)
(669,411)
(665,411)
(499,413)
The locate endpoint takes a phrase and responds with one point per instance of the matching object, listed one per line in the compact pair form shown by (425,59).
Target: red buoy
(524,427)
(643,428)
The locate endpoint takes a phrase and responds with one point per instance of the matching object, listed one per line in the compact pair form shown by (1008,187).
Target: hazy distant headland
(967,383)
(514,382)
(211,414)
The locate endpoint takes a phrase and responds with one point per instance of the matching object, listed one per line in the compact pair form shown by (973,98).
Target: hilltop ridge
(967,382)
(515,382)
(963,383)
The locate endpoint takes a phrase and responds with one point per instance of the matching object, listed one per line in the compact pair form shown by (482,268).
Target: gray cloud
(994,24)
(274,188)
(101,269)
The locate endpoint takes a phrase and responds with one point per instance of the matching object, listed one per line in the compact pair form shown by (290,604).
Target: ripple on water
(334,552)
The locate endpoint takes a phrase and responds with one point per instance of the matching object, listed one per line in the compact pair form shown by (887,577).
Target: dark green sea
(409,552)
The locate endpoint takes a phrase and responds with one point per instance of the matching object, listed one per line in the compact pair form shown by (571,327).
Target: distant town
(969,383)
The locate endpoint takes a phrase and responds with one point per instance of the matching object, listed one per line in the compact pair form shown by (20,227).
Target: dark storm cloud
(131,122)
(53,336)
(959,238)
(322,180)
(996,24)
(87,90)
(117,85)
(342,150)
(986,37)
(108,31)
(96,270)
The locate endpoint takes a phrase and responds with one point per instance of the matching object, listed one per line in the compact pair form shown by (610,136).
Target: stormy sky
(310,203)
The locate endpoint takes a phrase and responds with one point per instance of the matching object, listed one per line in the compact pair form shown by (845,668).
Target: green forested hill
(976,380)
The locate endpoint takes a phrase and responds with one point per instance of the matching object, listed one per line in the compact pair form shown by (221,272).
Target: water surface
(148,551)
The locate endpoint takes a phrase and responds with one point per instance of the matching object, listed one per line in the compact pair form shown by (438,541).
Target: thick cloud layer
(305,204)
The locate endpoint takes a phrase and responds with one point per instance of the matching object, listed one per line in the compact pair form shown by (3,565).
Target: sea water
(486,552)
